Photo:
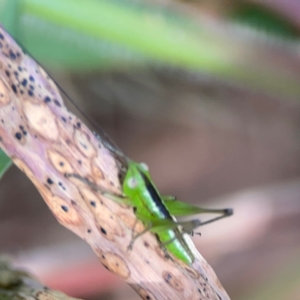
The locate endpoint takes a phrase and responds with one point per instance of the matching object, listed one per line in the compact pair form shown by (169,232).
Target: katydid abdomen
(173,241)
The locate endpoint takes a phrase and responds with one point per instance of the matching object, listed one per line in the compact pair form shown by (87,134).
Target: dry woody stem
(46,141)
(17,284)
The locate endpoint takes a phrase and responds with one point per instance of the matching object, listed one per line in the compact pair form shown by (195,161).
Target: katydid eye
(144,167)
(132,183)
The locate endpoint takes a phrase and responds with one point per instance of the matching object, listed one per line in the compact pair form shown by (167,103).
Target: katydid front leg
(121,199)
(144,216)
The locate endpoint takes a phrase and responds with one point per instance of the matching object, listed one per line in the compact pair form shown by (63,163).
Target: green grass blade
(5,163)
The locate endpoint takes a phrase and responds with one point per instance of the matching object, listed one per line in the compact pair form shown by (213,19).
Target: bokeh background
(208,94)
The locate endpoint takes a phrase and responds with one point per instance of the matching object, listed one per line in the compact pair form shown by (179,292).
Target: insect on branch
(51,143)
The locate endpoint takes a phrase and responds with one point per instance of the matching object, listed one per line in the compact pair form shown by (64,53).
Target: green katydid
(158,212)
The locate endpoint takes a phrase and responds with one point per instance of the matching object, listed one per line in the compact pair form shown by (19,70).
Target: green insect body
(158,212)
(150,209)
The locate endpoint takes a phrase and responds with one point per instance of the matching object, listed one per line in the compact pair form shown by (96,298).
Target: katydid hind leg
(157,226)
(217,218)
(179,208)
(135,237)
(151,224)
(145,217)
(189,226)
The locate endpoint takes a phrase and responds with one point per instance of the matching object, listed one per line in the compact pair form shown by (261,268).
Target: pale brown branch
(46,141)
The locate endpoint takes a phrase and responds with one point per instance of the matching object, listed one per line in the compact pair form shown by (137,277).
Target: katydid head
(134,177)
(144,167)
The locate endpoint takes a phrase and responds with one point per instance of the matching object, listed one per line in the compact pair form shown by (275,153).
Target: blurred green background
(207,93)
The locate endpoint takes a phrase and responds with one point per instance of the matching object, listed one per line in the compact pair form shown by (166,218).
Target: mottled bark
(17,284)
(46,141)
